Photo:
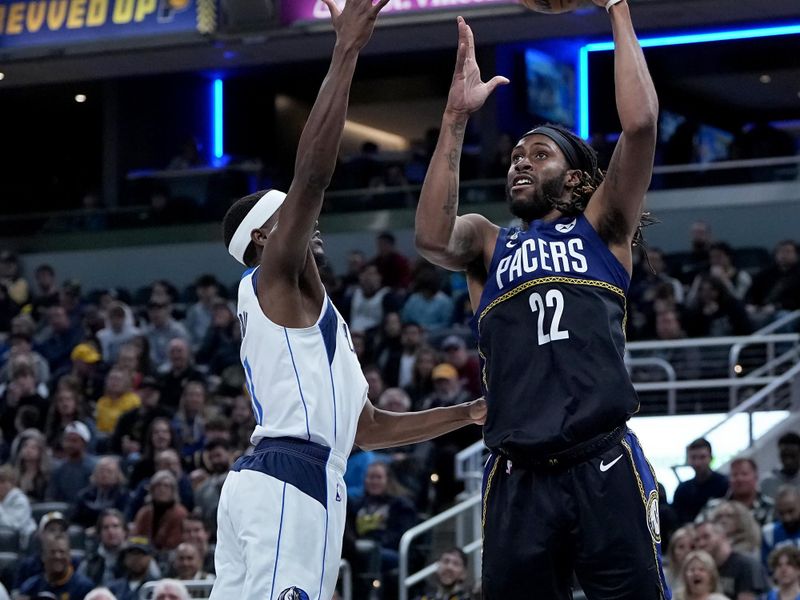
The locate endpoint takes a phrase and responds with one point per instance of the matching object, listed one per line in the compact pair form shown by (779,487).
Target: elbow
(645,123)
(427,245)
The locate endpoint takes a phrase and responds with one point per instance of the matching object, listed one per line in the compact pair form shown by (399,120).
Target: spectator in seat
(20,392)
(139,568)
(455,353)
(161,330)
(75,472)
(59,576)
(200,314)
(716,312)
(691,496)
(219,349)
(159,437)
(376,385)
(68,407)
(11,278)
(33,466)
(194,532)
(421,386)
(103,564)
(451,577)
(680,544)
(188,564)
(744,489)
(119,330)
(700,240)
(699,578)
(177,373)
(428,305)
(786,528)
(384,514)
(165,460)
(789,472)
(107,490)
(170,589)
(117,400)
(721,266)
(100,593)
(777,288)
(394,268)
(46,294)
(741,577)
(740,527)
(784,563)
(389,348)
(218,460)
(411,338)
(88,372)
(160,518)
(21,345)
(369,302)
(129,434)
(58,339)
(189,423)
(15,508)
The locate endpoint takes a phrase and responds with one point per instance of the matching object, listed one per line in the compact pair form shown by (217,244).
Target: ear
(572,178)
(258,237)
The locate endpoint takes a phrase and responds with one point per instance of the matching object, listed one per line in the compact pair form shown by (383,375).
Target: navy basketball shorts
(280,523)
(597,518)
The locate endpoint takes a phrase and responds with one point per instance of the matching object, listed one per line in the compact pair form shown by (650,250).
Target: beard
(544,199)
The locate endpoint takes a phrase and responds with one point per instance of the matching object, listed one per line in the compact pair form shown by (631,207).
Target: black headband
(567,146)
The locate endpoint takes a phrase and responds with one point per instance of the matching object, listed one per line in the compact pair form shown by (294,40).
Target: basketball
(554,6)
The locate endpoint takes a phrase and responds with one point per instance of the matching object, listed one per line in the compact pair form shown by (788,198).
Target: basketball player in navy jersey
(567,488)
(282,510)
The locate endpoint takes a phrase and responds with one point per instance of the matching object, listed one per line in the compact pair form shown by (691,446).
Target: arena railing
(129,215)
(466,516)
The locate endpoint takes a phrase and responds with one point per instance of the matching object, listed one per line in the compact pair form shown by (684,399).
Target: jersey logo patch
(653,519)
(512,241)
(566,227)
(293,593)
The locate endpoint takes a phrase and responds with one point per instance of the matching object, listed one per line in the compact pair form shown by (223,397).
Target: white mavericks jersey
(304,383)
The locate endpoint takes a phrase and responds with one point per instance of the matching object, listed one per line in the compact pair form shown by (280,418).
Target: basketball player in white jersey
(282,510)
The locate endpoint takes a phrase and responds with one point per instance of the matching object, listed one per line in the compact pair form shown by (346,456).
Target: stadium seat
(9,540)
(39,509)
(8,563)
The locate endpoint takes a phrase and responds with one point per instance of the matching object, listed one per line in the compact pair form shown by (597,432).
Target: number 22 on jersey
(553,299)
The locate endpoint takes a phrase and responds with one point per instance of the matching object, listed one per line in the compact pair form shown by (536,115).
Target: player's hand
(477,411)
(467,91)
(355,22)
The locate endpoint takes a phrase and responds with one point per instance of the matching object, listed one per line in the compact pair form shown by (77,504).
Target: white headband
(258,215)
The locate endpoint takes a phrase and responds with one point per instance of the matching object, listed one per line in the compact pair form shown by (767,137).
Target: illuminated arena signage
(308,10)
(29,23)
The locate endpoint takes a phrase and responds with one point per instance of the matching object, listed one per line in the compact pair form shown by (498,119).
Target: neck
(702,475)
(789,591)
(747,499)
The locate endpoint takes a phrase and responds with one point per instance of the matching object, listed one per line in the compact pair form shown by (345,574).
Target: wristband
(611,3)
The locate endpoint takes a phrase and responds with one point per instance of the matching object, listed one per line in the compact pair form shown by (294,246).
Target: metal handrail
(726,165)
(654,361)
(714,341)
(736,350)
(404,579)
(755,399)
(469,468)
(778,323)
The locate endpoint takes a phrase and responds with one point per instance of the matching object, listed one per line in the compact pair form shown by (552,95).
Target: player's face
(535,178)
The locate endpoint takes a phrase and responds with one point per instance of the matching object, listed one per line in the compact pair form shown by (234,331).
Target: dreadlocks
(582,156)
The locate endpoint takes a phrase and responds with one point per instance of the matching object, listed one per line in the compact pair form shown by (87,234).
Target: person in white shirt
(15,508)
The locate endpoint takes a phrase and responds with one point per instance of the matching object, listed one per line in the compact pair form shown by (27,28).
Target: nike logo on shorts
(605,467)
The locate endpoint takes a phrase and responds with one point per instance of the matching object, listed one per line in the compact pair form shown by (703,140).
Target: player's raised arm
(287,248)
(384,429)
(616,207)
(441,236)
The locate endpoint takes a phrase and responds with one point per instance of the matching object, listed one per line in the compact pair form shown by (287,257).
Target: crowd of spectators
(127,410)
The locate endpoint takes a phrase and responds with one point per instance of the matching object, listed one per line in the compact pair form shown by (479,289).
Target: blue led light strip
(669,40)
(218,120)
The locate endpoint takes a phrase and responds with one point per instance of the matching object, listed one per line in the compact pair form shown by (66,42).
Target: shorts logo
(293,593)
(653,520)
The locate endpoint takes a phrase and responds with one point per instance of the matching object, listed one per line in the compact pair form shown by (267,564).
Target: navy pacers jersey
(550,329)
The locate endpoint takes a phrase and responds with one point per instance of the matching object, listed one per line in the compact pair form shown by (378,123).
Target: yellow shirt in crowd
(109,410)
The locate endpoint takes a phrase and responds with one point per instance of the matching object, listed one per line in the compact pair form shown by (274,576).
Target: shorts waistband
(570,457)
(305,449)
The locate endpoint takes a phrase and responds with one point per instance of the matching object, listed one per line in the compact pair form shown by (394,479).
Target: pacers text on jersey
(538,254)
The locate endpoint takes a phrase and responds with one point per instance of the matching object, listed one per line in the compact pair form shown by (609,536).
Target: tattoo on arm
(453,157)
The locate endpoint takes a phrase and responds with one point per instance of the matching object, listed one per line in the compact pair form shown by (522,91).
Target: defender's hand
(477,411)
(355,22)
(467,91)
